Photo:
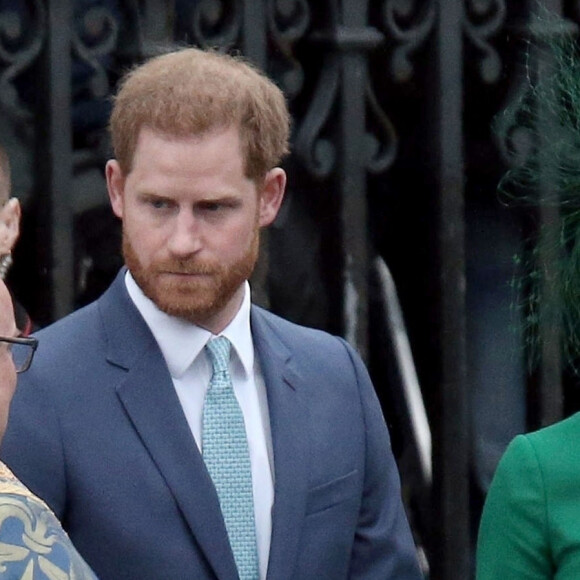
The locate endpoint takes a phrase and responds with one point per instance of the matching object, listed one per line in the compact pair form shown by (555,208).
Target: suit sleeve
(32,446)
(513,535)
(383,545)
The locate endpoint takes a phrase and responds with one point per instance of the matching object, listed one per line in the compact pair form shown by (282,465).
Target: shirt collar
(181,341)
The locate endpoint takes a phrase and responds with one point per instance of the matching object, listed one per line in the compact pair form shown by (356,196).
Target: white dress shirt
(182,345)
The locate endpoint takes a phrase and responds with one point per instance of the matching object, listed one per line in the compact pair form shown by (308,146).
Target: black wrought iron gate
(393,156)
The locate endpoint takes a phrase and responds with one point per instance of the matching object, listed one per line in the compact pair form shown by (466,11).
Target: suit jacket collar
(290,436)
(150,401)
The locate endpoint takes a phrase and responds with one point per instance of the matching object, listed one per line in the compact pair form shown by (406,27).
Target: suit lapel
(152,405)
(289,426)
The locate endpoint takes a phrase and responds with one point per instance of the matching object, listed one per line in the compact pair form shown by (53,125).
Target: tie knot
(218,350)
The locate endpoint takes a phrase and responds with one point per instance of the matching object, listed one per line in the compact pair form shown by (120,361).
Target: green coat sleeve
(514,539)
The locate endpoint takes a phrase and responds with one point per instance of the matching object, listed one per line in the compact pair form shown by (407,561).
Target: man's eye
(159,204)
(210,207)
(218,206)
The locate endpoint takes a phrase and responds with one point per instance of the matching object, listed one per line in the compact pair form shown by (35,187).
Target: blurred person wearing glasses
(10,214)
(32,542)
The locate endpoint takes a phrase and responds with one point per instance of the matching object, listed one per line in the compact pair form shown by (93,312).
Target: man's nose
(185,237)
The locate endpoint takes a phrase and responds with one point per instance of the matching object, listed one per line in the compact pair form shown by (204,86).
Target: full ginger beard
(195,300)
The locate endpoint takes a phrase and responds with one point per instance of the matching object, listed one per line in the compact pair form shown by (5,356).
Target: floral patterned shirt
(33,545)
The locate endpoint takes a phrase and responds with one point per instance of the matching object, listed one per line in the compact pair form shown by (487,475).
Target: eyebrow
(151,194)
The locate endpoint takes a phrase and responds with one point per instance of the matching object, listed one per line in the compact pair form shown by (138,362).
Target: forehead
(214,156)
(227,139)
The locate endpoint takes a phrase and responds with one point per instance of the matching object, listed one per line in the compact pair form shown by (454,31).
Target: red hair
(192,91)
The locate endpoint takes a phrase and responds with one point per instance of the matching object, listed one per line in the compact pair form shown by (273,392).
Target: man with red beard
(177,430)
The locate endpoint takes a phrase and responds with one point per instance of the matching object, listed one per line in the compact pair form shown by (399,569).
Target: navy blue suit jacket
(96,430)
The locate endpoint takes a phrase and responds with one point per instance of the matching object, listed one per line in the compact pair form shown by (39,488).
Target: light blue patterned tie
(226,455)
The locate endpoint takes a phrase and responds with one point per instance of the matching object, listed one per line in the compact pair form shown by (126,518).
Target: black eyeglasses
(22,351)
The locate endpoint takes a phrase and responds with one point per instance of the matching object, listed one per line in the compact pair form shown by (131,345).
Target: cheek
(7,389)
(243,233)
(8,383)
(235,243)
(145,241)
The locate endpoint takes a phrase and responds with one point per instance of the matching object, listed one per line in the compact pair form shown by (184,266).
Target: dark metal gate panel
(389,100)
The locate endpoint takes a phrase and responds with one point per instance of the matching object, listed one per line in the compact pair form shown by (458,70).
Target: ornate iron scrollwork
(484,18)
(408,23)
(217,23)
(382,143)
(22,34)
(514,133)
(540,91)
(288,21)
(93,42)
(318,153)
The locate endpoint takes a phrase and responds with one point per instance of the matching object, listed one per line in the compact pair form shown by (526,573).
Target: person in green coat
(530,526)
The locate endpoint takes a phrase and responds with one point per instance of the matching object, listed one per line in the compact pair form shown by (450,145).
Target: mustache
(188,267)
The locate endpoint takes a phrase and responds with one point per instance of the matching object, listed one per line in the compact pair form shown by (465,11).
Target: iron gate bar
(353,39)
(54,154)
(254,36)
(451,455)
(550,389)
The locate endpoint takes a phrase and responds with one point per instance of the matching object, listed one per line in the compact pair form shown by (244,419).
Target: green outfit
(530,526)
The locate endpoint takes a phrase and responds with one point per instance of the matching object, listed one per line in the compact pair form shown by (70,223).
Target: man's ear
(10,217)
(115,186)
(271,195)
